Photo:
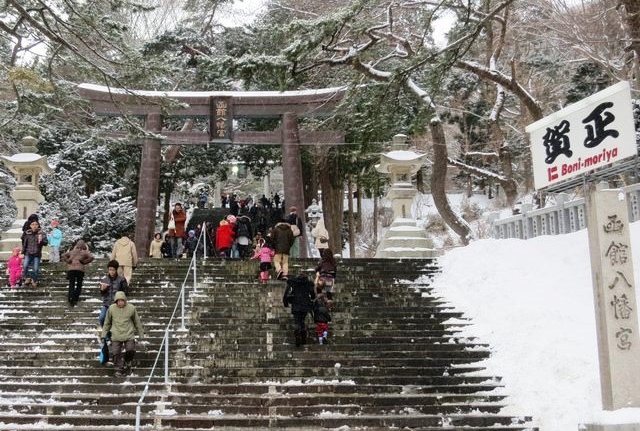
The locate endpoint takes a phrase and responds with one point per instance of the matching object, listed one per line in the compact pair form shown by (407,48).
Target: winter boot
(264,276)
(298,335)
(128,360)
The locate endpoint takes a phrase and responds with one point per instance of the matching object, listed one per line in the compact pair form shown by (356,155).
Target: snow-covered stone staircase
(395,358)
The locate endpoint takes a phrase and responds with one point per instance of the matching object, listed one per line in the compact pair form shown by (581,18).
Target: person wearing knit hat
(123,322)
(55,241)
(191,243)
(225,236)
(110,284)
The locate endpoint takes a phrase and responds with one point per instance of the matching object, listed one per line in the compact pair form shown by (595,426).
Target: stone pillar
(292,171)
(615,299)
(148,186)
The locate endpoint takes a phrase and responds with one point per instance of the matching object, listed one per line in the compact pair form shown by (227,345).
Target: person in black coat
(299,294)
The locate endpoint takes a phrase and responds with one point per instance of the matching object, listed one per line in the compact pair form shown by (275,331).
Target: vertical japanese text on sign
(221,119)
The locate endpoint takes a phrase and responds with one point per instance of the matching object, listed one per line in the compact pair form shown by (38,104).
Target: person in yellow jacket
(124,251)
(123,322)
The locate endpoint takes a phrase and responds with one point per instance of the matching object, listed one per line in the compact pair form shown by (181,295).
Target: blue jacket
(55,237)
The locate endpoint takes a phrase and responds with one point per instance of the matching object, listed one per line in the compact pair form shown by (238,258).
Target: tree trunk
(350,219)
(509,186)
(359,208)
(332,202)
(438,180)
(632,28)
(375,217)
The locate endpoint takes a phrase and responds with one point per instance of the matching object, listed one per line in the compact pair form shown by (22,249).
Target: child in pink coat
(265,254)
(14,267)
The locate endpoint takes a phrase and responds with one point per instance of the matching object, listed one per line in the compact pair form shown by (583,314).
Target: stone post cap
(400,142)
(29,144)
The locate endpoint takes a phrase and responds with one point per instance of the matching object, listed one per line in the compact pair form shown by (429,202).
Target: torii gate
(220,107)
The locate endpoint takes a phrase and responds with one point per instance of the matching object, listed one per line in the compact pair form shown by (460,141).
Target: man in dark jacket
(109,285)
(282,239)
(300,294)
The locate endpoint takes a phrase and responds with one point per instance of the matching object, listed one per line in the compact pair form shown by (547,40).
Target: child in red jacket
(224,239)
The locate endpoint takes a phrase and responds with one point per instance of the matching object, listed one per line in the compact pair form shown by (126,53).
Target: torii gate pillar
(292,171)
(148,186)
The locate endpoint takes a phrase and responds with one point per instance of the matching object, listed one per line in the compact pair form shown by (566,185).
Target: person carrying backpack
(243,235)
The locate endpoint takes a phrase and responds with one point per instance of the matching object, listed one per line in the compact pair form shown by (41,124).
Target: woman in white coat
(321,235)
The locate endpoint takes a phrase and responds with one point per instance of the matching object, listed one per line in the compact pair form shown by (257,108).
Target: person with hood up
(320,235)
(123,322)
(300,295)
(14,267)
(124,251)
(76,259)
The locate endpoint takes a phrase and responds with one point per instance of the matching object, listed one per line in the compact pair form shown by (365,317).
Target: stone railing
(565,216)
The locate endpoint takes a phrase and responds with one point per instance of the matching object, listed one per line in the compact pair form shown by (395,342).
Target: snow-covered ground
(532,301)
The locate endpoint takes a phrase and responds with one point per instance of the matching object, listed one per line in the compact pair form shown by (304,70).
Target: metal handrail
(164,345)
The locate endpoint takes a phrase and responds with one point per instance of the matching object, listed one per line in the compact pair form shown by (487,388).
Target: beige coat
(124,251)
(319,233)
(155,249)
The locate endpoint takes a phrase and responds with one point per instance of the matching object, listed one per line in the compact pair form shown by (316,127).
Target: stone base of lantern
(405,240)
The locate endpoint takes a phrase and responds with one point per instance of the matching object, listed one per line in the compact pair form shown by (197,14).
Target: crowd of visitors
(260,230)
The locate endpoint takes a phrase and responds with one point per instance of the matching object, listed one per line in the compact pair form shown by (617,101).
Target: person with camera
(110,284)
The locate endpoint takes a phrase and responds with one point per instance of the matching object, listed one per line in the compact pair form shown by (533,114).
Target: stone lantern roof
(20,162)
(400,160)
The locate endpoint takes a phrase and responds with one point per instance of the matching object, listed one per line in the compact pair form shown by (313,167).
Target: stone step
(401,361)
(245,406)
(215,420)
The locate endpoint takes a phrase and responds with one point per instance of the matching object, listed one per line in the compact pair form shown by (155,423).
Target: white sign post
(582,137)
(588,135)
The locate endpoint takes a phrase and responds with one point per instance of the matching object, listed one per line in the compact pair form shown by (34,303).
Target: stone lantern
(27,166)
(403,239)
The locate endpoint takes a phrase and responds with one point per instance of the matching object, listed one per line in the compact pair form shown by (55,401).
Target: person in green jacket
(124,322)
